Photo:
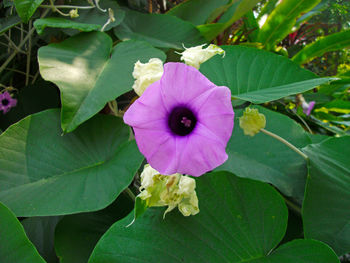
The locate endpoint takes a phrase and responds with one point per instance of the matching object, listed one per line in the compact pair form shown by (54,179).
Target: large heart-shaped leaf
(249,222)
(44,173)
(86,75)
(266,159)
(14,244)
(326,214)
(258,76)
(159,30)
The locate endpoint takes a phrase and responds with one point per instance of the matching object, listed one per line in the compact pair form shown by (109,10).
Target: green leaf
(266,159)
(332,42)
(139,210)
(44,173)
(210,31)
(77,235)
(197,11)
(247,225)
(251,26)
(41,231)
(326,214)
(267,8)
(8,22)
(15,247)
(26,8)
(86,75)
(257,75)
(282,19)
(232,14)
(236,11)
(173,32)
(301,251)
(250,221)
(58,22)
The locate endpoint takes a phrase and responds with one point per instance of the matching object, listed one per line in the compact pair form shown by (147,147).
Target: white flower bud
(147,176)
(146,73)
(194,56)
(186,186)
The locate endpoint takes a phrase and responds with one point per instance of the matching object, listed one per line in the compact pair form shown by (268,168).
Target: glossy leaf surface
(87,76)
(327,195)
(273,161)
(258,76)
(14,244)
(68,172)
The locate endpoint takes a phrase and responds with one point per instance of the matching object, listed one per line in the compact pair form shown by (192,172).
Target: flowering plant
(159,131)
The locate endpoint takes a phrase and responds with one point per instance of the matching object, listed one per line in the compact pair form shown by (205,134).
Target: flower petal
(158,148)
(181,83)
(147,109)
(215,112)
(202,153)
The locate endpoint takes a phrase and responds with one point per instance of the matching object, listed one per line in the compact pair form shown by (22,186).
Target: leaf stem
(275,136)
(30,32)
(68,6)
(29,53)
(130,193)
(292,206)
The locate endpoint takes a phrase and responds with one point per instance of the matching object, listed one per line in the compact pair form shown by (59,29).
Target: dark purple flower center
(5,102)
(182,121)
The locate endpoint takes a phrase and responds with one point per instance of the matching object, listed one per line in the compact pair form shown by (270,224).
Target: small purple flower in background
(182,122)
(308,107)
(6,102)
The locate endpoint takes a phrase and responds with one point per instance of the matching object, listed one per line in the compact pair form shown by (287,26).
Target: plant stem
(130,194)
(54,8)
(68,6)
(293,206)
(30,32)
(275,136)
(29,53)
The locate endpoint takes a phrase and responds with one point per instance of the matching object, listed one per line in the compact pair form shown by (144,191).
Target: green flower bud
(252,121)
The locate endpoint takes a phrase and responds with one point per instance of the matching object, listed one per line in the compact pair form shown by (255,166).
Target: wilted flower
(169,190)
(6,102)
(194,56)
(252,121)
(183,122)
(308,107)
(146,74)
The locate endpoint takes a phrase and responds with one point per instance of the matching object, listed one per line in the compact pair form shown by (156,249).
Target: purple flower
(6,102)
(308,107)
(182,122)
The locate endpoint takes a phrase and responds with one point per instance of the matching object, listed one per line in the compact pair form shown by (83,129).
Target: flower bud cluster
(169,190)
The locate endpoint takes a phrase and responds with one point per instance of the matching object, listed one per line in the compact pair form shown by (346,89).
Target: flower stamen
(186,122)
